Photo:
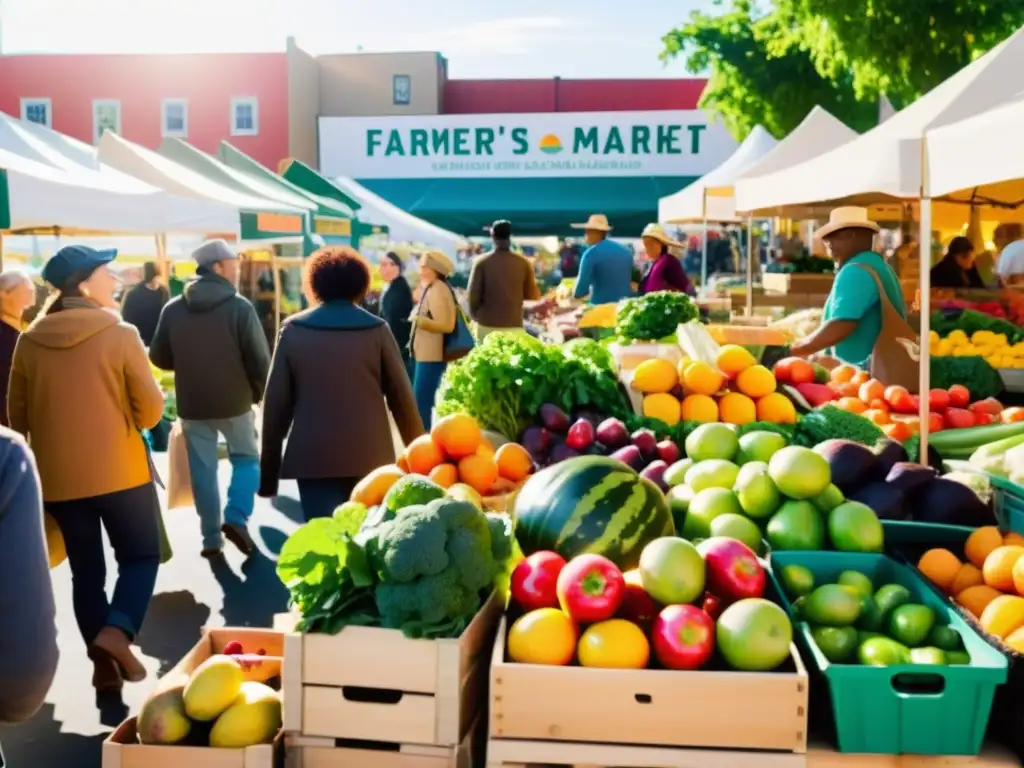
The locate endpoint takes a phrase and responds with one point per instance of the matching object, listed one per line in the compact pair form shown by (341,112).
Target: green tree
(760,73)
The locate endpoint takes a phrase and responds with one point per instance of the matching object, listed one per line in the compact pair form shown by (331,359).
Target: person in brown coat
(82,391)
(336,371)
(499,283)
(434,317)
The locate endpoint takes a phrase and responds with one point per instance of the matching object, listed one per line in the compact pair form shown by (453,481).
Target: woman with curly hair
(336,371)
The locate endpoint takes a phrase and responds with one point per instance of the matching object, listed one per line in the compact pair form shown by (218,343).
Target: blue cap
(72,259)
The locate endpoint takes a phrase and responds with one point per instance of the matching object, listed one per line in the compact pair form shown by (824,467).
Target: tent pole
(704,241)
(1,250)
(750,266)
(925,247)
(277,291)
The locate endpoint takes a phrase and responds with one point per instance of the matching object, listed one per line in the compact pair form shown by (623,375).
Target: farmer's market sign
(676,143)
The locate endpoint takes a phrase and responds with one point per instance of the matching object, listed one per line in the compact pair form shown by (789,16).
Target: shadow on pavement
(289,507)
(40,744)
(253,600)
(173,623)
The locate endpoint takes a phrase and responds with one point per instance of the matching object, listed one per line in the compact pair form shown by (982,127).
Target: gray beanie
(212,251)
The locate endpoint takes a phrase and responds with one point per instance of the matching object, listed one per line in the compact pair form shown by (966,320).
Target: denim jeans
(201,442)
(424,386)
(321,496)
(130,520)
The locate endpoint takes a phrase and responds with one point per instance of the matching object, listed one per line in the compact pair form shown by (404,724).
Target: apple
(668,452)
(733,570)
(637,606)
(534,581)
(683,637)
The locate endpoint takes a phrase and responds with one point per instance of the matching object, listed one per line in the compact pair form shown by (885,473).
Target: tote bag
(179,478)
(459,341)
(896,358)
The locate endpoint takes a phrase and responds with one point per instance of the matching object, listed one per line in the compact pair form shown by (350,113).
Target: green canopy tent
(330,216)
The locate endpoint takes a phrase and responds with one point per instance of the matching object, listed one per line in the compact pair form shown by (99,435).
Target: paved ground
(68,730)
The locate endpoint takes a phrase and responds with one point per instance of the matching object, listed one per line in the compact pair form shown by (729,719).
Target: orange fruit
(423,454)
(458,435)
(1003,615)
(1015,640)
(881,418)
(872,389)
(733,360)
(940,567)
(756,381)
(776,408)
(968,576)
(981,542)
(371,490)
(898,431)
(663,407)
(847,389)
(998,567)
(1013,538)
(445,475)
(851,404)
(1018,576)
(485,448)
(913,424)
(801,372)
(402,463)
(734,408)
(860,377)
(701,408)
(514,462)
(699,378)
(974,600)
(479,473)
(842,374)
(655,376)
(878,404)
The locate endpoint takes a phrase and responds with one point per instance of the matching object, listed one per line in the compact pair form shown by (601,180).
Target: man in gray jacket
(211,338)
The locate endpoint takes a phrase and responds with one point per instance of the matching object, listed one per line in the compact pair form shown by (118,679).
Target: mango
(162,719)
(212,688)
(253,718)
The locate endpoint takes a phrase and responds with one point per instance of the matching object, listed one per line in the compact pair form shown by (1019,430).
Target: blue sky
(528,38)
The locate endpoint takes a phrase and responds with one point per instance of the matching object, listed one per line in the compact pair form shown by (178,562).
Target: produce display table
(992,756)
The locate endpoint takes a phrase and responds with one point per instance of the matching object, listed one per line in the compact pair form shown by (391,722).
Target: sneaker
(114,643)
(239,536)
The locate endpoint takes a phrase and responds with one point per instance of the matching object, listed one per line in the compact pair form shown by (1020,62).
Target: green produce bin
(903,532)
(912,709)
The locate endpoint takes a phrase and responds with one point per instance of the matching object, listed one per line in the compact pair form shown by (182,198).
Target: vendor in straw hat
(664,271)
(606,267)
(852,318)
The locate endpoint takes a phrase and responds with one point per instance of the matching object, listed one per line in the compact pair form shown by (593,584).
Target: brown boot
(114,643)
(106,676)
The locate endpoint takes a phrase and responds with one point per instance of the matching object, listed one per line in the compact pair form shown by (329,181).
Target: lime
(756,490)
(738,527)
(945,637)
(854,527)
(891,596)
(882,652)
(829,499)
(832,605)
(928,655)
(858,581)
(712,473)
(796,526)
(911,623)
(863,636)
(799,472)
(712,441)
(679,499)
(799,608)
(959,658)
(676,473)
(797,580)
(705,507)
(839,644)
(870,619)
(759,446)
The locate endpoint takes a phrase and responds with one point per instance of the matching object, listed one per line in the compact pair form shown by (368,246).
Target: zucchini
(949,441)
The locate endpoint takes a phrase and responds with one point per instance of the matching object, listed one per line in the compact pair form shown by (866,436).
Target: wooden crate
(774,282)
(213,641)
(310,752)
(702,709)
(375,684)
(122,750)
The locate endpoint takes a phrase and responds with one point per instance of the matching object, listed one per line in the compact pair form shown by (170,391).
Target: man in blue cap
(212,339)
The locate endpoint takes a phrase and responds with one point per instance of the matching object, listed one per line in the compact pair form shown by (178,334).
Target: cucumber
(958,440)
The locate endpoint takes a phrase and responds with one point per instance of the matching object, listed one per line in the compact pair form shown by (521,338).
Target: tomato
(614,644)
(684,637)
(981,418)
(1010,415)
(900,400)
(545,636)
(958,418)
(988,405)
(894,392)
(870,390)
(590,588)
(959,396)
(801,372)
(935,422)
(938,400)
(782,370)
(533,581)
(898,431)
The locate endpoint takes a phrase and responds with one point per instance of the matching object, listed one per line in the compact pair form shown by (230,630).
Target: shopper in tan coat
(434,316)
(81,391)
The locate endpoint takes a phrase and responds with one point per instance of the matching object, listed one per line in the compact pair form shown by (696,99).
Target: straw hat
(597,222)
(848,217)
(656,232)
(438,262)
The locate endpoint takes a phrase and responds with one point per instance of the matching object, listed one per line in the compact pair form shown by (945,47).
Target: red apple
(683,637)
(712,606)
(733,570)
(637,606)
(590,588)
(668,452)
(534,581)
(233,648)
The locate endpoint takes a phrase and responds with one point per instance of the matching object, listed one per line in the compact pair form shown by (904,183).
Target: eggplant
(910,479)
(537,442)
(952,503)
(888,453)
(561,452)
(554,418)
(853,465)
(886,500)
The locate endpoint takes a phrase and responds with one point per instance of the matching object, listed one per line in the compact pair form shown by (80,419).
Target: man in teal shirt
(606,267)
(852,318)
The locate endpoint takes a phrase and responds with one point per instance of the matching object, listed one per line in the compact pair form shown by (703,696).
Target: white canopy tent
(402,225)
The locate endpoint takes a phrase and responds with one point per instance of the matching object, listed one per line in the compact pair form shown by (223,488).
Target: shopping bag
(166,553)
(179,479)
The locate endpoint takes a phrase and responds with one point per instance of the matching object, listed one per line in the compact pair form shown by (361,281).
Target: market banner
(560,144)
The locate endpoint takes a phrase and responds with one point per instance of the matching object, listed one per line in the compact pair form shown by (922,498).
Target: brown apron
(896,358)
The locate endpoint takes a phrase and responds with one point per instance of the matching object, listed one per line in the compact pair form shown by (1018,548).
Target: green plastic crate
(875,709)
(933,534)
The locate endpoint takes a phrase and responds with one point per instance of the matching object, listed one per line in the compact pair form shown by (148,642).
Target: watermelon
(591,504)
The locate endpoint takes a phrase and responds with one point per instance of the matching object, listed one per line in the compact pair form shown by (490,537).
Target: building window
(245,116)
(106,116)
(38,111)
(401,89)
(174,117)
